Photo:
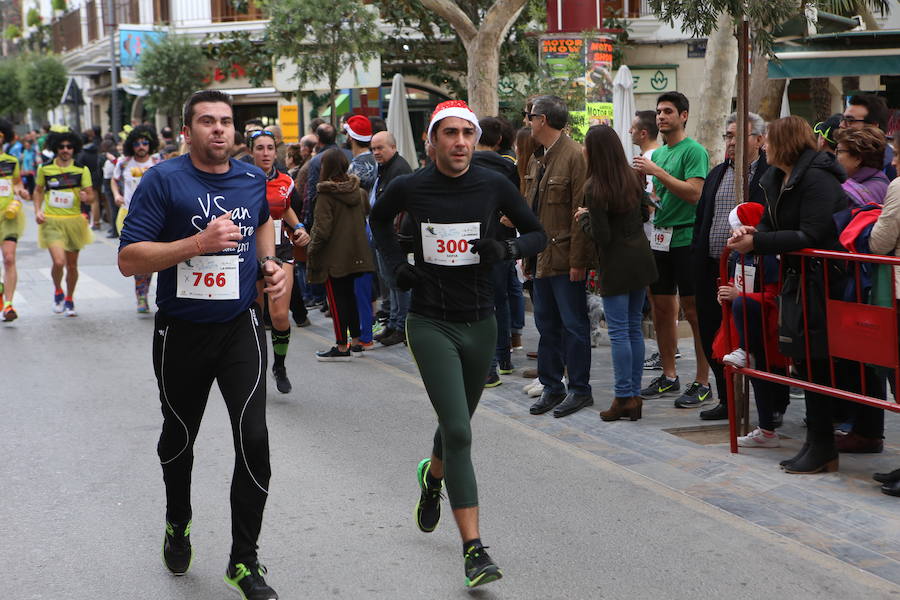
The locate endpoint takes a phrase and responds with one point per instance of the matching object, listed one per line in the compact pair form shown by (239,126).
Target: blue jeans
(560,313)
(362,289)
(500,274)
(623,318)
(399,299)
(516,300)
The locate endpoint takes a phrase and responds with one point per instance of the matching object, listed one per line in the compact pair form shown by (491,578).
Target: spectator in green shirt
(678,170)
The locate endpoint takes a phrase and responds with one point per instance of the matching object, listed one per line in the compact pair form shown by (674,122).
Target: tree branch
(454,15)
(500,18)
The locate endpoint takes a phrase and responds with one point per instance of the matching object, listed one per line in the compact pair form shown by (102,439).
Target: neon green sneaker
(248,581)
(428,508)
(480,569)
(177,553)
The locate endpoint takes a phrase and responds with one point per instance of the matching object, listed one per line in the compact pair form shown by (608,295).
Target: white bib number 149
(208,278)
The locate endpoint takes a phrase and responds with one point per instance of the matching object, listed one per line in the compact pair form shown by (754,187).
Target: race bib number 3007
(447,244)
(208,278)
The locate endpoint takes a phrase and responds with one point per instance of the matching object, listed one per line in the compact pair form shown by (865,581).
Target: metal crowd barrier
(856,331)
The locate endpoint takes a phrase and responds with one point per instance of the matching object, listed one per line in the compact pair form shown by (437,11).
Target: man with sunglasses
(62,185)
(553,188)
(870,110)
(139,150)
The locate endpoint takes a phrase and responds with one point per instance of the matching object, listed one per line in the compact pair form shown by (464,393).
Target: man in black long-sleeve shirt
(451,328)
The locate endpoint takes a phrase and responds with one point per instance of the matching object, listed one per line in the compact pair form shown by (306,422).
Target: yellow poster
(288,119)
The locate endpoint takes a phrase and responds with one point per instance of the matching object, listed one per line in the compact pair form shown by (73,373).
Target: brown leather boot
(616,410)
(633,408)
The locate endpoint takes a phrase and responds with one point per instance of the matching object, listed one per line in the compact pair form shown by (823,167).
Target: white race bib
(278,223)
(62,199)
(447,244)
(5,188)
(209,278)
(744,277)
(660,238)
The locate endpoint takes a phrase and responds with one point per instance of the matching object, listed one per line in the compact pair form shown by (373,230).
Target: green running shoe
(177,553)
(248,581)
(480,569)
(428,508)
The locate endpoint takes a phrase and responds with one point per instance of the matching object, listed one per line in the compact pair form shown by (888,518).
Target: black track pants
(187,358)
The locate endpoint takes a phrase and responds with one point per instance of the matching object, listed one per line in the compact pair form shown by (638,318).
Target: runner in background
(12,220)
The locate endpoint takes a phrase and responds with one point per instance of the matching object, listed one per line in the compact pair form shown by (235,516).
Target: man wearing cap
(359,131)
(826,132)
(450,328)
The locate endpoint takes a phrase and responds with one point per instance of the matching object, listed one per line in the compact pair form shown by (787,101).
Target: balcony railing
(66,32)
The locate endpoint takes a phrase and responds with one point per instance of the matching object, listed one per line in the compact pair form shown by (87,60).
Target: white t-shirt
(648,226)
(129,171)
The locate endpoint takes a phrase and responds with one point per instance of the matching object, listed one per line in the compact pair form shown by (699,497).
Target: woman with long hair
(613,214)
(283,202)
(339,250)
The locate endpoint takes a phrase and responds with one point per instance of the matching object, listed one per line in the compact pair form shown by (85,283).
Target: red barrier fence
(856,330)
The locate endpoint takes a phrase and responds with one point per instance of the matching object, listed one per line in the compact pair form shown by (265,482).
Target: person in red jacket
(749,303)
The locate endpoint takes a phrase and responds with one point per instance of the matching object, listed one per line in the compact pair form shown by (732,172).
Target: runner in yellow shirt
(62,186)
(12,218)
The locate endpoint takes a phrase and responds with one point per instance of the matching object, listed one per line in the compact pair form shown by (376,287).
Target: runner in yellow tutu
(12,218)
(62,186)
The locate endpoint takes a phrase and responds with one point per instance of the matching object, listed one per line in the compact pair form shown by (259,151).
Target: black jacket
(800,215)
(706,208)
(388,171)
(495,162)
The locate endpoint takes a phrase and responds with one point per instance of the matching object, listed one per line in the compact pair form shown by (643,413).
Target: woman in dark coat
(614,215)
(339,250)
(803,191)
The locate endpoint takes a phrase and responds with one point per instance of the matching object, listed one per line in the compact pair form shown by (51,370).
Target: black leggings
(187,358)
(342,303)
(453,359)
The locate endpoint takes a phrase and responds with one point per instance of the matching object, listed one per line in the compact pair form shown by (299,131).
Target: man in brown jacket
(553,188)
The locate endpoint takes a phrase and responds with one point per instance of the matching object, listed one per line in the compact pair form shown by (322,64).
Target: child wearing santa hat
(749,332)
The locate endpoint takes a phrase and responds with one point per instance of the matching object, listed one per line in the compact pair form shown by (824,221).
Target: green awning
(847,66)
(341,103)
(845,54)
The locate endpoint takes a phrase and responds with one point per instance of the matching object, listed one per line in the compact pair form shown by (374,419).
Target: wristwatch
(266,259)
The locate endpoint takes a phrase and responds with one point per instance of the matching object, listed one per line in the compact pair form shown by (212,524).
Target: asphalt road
(82,503)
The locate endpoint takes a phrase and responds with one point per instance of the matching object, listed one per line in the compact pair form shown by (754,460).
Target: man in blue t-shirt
(202,222)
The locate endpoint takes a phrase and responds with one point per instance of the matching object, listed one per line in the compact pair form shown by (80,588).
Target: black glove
(491,251)
(407,276)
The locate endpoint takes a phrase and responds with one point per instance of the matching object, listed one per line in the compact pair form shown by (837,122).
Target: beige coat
(885,236)
(558,194)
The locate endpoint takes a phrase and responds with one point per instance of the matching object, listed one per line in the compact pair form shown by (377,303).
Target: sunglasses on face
(255,134)
(851,120)
(66,147)
(142,143)
(531,116)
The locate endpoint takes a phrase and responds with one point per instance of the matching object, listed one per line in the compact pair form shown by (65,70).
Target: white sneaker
(737,358)
(531,384)
(535,390)
(757,439)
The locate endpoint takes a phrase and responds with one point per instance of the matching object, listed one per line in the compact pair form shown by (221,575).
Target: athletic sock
(7,303)
(470,543)
(68,298)
(432,481)
(58,291)
(280,341)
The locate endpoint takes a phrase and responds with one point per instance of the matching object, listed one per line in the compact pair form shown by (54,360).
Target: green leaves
(171,69)
(42,81)
(10,96)
(321,39)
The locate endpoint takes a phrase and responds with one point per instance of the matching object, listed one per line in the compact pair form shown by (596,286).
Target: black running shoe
(505,366)
(281,379)
(661,386)
(428,508)
(177,552)
(333,355)
(654,363)
(694,395)
(248,581)
(480,569)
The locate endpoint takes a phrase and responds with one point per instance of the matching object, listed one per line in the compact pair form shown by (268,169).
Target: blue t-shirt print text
(174,201)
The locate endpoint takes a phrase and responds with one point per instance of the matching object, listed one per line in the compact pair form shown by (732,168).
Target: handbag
(792,336)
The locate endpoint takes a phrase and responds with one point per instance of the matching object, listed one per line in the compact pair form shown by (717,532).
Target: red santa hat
(454,108)
(747,213)
(359,128)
